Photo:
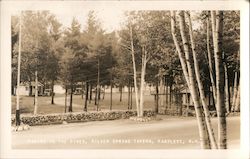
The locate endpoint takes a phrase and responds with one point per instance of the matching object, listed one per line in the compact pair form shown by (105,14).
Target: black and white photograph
(124,79)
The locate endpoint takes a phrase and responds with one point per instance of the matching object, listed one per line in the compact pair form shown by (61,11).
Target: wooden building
(28,88)
(187,101)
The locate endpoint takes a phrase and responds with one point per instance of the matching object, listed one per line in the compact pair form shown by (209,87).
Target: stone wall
(78,117)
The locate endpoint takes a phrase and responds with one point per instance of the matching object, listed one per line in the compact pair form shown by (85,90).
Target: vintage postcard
(124,79)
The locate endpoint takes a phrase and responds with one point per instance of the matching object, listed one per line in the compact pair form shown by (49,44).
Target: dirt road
(167,133)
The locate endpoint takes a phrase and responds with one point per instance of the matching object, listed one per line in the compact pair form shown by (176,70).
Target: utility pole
(18,121)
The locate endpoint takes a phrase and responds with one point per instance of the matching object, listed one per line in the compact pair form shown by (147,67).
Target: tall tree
(231,49)
(200,84)
(99,53)
(149,37)
(210,63)
(220,81)
(75,52)
(52,65)
(36,46)
(186,63)
(135,72)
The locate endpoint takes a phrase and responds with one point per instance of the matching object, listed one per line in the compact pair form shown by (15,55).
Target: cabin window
(26,88)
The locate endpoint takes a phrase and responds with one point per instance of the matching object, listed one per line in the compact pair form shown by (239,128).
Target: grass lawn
(45,106)
(116,103)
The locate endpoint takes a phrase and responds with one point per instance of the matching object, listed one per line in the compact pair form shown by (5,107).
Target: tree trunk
(143,72)
(99,95)
(209,97)
(71,98)
(52,92)
(180,104)
(18,120)
(237,103)
(231,95)
(192,83)
(200,86)
(90,94)
(161,92)
(104,91)
(30,88)
(86,96)
(188,74)
(131,97)
(96,91)
(234,91)
(82,93)
(134,69)
(98,86)
(141,95)
(188,102)
(36,93)
(166,91)
(213,23)
(170,97)
(156,98)
(13,85)
(111,93)
(227,97)
(128,94)
(210,64)
(120,90)
(220,82)
(66,92)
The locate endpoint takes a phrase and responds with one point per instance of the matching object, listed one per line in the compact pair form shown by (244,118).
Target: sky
(110,19)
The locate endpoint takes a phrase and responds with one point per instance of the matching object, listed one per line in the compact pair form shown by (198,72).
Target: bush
(78,117)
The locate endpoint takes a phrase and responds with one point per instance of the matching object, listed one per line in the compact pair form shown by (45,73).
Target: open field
(45,106)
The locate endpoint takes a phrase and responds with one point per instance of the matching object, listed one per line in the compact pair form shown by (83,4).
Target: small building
(28,88)
(188,102)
